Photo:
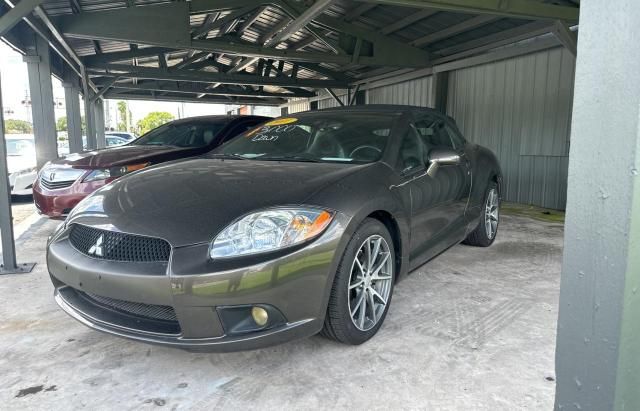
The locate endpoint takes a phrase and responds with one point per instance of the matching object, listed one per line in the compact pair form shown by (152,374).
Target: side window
(411,156)
(434,134)
(455,135)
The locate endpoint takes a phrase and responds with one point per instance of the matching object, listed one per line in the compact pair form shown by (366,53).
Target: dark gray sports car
(299,226)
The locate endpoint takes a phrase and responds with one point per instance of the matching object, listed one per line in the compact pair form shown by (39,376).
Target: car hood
(189,202)
(119,156)
(20,163)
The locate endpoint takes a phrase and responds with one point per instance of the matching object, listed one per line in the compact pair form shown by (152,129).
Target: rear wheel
(362,289)
(485,233)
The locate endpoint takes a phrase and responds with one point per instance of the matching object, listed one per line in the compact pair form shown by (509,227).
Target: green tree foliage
(17,127)
(125,116)
(61,124)
(153,120)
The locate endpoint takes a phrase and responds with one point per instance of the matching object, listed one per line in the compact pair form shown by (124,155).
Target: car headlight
(114,172)
(270,230)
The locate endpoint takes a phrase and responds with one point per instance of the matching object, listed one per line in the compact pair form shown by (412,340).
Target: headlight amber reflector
(270,230)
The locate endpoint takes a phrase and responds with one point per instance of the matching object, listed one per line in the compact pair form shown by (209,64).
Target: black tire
(479,237)
(338,324)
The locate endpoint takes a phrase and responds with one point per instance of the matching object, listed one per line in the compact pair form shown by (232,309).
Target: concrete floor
(473,329)
(22,207)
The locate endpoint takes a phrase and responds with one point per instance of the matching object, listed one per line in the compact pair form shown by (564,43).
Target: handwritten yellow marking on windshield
(281,121)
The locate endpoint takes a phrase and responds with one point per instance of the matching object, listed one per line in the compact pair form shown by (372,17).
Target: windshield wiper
(291,158)
(230,155)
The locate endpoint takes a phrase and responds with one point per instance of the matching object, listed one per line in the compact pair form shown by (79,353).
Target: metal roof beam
(16,14)
(178,97)
(207,77)
(335,97)
(358,11)
(386,51)
(210,6)
(190,60)
(285,29)
(140,26)
(203,30)
(199,88)
(450,31)
(250,20)
(302,20)
(502,38)
(407,21)
(526,9)
(567,37)
(125,55)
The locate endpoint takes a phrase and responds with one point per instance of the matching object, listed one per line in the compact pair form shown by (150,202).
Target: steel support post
(88,112)
(74,118)
(440,91)
(98,111)
(597,361)
(42,109)
(8,264)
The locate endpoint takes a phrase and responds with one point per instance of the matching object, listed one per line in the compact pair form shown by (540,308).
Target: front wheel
(485,233)
(363,285)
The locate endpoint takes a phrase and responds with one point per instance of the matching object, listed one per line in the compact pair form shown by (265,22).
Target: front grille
(156,312)
(55,185)
(114,246)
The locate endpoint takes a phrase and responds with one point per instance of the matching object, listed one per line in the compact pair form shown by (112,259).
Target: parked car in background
(114,141)
(21,162)
(61,184)
(122,134)
(299,226)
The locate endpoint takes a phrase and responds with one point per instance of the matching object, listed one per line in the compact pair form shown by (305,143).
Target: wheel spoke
(359,264)
(356,284)
(374,273)
(376,294)
(354,310)
(368,254)
(363,309)
(373,306)
(374,254)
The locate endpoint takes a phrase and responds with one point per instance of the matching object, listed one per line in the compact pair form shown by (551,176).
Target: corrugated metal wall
(299,105)
(330,102)
(521,109)
(413,93)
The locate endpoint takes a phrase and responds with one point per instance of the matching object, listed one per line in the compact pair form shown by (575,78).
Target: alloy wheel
(370,282)
(491,213)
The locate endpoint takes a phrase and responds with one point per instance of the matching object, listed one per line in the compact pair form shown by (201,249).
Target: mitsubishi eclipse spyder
(299,226)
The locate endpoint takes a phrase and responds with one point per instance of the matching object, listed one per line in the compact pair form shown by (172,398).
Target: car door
(413,189)
(438,200)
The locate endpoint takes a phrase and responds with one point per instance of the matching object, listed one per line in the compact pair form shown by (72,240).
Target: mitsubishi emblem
(96,249)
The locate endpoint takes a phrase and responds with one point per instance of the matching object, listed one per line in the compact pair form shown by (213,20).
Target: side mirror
(441,157)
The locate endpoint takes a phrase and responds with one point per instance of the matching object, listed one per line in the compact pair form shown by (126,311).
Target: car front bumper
(296,284)
(59,202)
(21,182)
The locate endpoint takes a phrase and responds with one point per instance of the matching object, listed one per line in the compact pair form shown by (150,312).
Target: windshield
(326,137)
(192,134)
(20,147)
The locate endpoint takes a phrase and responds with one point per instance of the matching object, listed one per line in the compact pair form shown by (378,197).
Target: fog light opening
(260,316)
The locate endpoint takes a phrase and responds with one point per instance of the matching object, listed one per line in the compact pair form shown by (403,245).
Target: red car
(62,183)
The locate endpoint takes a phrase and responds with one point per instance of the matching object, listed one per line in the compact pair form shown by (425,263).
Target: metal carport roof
(264,52)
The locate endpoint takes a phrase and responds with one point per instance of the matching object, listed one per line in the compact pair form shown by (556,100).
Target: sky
(15,89)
